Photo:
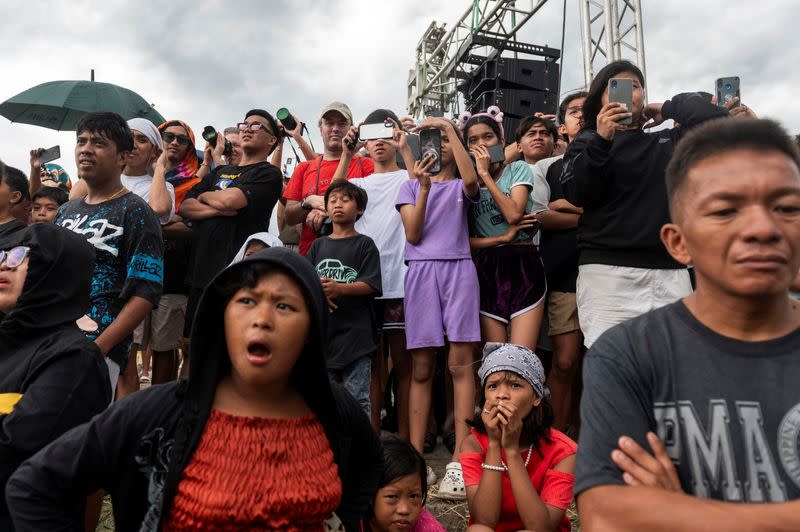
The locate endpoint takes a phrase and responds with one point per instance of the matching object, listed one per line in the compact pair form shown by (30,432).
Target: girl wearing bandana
(518,470)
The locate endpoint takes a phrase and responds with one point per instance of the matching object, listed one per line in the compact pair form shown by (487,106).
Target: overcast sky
(208,62)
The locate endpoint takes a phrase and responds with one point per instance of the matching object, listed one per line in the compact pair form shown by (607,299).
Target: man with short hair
(714,374)
(231,203)
(305,190)
(13,193)
(126,236)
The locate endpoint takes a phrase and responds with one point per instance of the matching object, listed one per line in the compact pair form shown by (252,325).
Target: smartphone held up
(621,90)
(430,140)
(48,155)
(728,89)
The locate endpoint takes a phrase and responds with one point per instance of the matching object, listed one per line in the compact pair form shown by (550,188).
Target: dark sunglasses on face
(14,256)
(183,140)
(254,126)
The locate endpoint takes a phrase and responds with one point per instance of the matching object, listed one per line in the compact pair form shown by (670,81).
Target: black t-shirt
(352,326)
(129,258)
(216,240)
(727,410)
(559,248)
(11,227)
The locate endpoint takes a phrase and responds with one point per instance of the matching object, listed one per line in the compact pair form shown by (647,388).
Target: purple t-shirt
(445,234)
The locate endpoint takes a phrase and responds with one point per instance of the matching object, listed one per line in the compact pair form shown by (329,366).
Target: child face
(342,209)
(11,281)
(380,151)
(508,387)
(253,247)
(481,135)
(398,505)
(266,327)
(44,210)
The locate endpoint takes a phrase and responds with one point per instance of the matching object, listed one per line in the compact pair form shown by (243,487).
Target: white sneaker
(452,486)
(431,477)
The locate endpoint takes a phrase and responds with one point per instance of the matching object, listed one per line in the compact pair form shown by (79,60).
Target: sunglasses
(14,257)
(255,126)
(183,140)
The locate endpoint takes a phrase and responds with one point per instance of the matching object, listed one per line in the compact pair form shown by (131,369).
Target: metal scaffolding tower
(611,29)
(490,27)
(484,31)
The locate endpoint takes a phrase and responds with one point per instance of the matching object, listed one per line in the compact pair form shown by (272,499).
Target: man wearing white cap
(304,193)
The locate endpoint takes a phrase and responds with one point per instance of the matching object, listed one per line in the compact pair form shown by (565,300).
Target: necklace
(116,194)
(527,460)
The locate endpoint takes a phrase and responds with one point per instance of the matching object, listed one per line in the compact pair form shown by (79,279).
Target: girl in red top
(518,471)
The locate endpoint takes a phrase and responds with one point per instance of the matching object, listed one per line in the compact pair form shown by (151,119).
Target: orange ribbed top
(257,474)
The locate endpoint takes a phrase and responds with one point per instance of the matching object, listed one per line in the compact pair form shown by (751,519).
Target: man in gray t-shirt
(715,375)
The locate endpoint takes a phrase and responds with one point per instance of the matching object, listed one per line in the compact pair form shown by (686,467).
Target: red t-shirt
(305,182)
(554,487)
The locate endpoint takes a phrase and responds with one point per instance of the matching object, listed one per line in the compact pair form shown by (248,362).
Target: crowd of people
(603,316)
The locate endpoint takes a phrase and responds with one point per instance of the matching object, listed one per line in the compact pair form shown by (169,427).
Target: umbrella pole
(92,74)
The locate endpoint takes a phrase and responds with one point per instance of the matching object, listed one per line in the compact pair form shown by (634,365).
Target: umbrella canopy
(61,104)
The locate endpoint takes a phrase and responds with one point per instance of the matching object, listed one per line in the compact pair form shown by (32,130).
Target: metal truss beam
(611,30)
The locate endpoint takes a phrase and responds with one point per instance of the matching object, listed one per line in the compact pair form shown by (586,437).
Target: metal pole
(92,75)
(586,41)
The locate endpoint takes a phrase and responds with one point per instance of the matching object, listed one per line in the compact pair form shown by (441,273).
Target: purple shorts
(441,298)
(512,281)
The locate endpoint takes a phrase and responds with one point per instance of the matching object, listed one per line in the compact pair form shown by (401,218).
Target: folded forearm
(294,213)
(621,508)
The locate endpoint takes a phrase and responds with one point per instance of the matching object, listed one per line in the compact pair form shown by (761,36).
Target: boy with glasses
(231,203)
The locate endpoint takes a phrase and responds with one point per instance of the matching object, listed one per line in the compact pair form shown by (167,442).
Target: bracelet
(493,467)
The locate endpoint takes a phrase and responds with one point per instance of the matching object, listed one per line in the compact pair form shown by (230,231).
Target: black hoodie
(138,448)
(44,357)
(620,185)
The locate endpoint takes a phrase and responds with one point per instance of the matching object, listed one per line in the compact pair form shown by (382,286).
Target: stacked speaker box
(519,87)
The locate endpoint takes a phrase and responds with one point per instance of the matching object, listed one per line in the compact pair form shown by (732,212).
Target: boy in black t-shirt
(349,266)
(13,192)
(715,374)
(126,235)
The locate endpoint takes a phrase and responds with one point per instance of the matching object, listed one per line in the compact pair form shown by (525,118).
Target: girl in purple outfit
(441,287)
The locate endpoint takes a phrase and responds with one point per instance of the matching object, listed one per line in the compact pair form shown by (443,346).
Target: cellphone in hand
(727,89)
(497,154)
(621,90)
(376,131)
(430,140)
(50,154)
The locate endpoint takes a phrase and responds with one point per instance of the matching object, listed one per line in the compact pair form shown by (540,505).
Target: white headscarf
(270,240)
(148,129)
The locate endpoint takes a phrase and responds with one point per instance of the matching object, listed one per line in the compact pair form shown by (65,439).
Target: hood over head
(57,287)
(210,361)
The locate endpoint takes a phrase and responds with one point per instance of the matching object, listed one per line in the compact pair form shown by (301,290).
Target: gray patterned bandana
(514,358)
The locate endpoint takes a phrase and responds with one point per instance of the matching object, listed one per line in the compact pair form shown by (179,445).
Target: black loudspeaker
(519,87)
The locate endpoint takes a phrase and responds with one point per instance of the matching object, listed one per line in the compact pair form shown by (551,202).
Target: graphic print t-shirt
(129,258)
(728,411)
(352,327)
(486,216)
(217,239)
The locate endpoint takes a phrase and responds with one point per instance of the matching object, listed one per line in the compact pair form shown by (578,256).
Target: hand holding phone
(430,140)
(621,90)
(727,90)
(48,155)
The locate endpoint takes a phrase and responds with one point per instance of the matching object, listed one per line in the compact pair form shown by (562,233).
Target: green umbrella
(61,104)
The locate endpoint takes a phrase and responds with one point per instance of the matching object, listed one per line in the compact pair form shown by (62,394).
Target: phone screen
(375,131)
(430,141)
(621,90)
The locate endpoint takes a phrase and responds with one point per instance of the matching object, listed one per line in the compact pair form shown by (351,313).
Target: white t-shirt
(382,223)
(140,185)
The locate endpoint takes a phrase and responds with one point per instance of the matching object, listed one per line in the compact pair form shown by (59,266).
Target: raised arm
(413,214)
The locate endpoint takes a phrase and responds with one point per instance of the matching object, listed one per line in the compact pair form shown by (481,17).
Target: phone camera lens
(614,84)
(728,86)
